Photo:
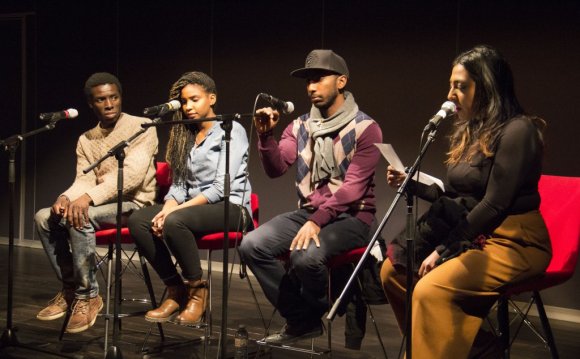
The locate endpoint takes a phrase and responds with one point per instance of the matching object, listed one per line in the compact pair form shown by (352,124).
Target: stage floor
(35,285)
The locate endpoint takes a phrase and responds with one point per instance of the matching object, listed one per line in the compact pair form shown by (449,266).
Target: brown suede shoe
(176,296)
(57,306)
(84,314)
(195,308)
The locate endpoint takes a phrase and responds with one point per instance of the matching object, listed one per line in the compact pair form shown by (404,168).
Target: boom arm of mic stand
(16,139)
(219,118)
(400,191)
(121,145)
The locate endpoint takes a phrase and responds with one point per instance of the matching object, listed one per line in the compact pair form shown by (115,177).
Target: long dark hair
(495,103)
(181,138)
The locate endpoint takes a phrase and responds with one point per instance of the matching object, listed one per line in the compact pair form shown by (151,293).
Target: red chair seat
(106,236)
(349,257)
(214,241)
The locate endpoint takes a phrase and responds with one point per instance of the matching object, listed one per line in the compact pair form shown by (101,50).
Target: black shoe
(294,333)
(486,346)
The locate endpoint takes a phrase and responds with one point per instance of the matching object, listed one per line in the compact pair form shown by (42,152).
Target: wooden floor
(35,284)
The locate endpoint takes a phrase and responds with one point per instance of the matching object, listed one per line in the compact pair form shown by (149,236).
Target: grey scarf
(324,165)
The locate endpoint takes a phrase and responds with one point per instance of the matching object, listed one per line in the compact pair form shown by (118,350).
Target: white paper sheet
(390,155)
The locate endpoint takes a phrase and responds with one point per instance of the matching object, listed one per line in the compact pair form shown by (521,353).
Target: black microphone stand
(227,125)
(10,144)
(119,152)
(410,245)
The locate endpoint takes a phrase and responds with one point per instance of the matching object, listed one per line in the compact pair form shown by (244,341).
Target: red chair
(215,241)
(108,237)
(560,208)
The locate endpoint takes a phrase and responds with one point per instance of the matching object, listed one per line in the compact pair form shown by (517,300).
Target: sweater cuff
(97,196)
(320,217)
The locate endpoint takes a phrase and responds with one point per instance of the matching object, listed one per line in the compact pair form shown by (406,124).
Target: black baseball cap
(326,60)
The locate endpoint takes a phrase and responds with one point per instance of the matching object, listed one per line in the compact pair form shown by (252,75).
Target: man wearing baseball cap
(333,149)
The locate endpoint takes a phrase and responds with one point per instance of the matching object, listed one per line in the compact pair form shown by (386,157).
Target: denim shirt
(206,169)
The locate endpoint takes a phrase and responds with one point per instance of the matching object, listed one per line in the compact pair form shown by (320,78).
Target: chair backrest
(560,208)
(163,177)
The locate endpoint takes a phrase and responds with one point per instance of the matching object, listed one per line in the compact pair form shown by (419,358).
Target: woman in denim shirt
(194,205)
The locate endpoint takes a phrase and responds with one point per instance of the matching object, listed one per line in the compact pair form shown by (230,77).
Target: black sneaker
(293,333)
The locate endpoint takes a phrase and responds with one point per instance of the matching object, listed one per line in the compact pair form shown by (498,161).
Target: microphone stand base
(114,353)
(8,339)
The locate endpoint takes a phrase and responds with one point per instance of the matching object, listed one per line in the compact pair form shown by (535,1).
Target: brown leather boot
(176,296)
(197,300)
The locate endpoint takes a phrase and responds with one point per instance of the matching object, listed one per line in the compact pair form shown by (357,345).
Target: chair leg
(504,326)
(147,279)
(64,324)
(257,304)
(329,337)
(120,300)
(371,315)
(244,274)
(546,325)
(209,309)
(108,295)
(329,322)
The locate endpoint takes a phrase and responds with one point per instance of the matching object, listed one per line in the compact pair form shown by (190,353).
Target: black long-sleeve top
(502,185)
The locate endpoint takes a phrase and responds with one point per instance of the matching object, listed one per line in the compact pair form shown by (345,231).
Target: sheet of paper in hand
(390,155)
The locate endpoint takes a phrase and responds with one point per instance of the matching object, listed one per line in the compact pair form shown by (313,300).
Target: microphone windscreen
(449,107)
(72,113)
(174,105)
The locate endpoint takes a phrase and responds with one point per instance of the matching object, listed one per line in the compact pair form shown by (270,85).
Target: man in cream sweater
(67,229)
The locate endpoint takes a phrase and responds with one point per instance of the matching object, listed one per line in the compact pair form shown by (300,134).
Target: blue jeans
(74,262)
(301,291)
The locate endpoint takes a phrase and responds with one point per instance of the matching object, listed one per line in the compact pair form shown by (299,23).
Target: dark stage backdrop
(398,52)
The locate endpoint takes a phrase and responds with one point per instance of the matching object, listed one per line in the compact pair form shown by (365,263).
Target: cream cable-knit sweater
(138,170)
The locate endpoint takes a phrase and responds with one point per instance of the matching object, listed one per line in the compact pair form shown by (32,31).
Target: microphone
(447,109)
(285,107)
(162,109)
(55,116)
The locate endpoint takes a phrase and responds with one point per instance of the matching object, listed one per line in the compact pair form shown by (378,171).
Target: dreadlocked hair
(182,137)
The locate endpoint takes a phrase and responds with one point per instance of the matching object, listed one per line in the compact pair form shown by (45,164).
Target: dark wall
(398,52)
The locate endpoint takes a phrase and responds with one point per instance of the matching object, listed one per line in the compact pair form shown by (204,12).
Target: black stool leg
(504,326)
(546,325)
(147,279)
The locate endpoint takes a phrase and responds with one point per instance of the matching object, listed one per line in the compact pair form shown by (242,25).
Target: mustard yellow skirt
(451,301)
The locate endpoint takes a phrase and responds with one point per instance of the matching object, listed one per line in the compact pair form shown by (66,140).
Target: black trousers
(180,230)
(299,292)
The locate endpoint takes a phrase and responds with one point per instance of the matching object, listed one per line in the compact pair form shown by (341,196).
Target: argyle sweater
(352,191)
